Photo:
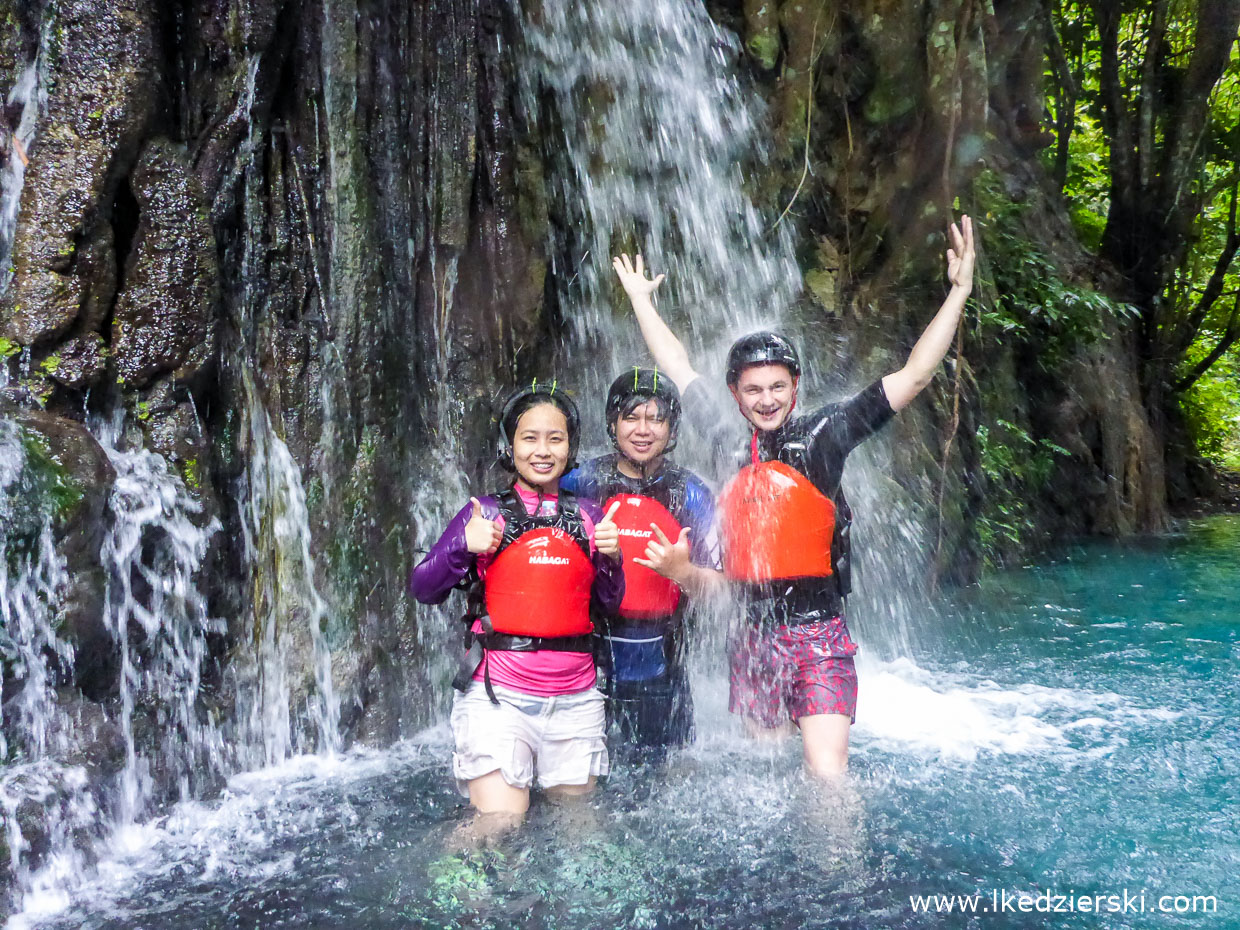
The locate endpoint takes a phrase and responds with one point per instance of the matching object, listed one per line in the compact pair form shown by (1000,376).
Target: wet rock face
(79,362)
(101,93)
(164,318)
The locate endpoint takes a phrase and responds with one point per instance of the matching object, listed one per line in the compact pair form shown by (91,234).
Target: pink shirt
(545,672)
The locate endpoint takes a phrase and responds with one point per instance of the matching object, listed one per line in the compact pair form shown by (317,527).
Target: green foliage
(48,479)
(190,472)
(764,47)
(459,879)
(1033,301)
(1211,410)
(1087,185)
(1017,469)
(1152,72)
(8,348)
(42,492)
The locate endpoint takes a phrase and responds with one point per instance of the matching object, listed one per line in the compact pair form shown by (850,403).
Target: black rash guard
(829,433)
(816,443)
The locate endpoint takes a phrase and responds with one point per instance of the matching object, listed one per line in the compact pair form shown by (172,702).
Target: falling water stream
(1057,729)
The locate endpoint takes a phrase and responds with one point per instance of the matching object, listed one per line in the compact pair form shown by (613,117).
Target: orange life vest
(539,581)
(775,525)
(647,594)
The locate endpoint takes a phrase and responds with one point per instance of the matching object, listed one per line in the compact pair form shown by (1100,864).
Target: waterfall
(30,94)
(32,578)
(158,618)
(649,130)
(656,131)
(80,771)
(289,613)
(35,729)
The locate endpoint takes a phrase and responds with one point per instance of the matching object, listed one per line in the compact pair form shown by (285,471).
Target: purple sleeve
(608,590)
(449,559)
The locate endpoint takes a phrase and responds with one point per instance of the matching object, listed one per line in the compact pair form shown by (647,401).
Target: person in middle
(665,515)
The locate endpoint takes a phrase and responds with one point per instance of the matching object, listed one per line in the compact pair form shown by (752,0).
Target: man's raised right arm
(668,351)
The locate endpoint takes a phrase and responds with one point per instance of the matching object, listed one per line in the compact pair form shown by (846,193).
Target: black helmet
(533,394)
(638,386)
(761,348)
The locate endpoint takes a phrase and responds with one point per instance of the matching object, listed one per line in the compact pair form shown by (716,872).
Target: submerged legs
(824,740)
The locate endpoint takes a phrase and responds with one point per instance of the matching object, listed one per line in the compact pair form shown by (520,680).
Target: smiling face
(765,394)
(540,448)
(642,435)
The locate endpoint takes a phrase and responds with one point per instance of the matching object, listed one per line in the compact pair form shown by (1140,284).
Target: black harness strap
(518,522)
(795,452)
(481,643)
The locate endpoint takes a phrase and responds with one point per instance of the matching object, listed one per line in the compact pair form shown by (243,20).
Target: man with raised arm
(783,520)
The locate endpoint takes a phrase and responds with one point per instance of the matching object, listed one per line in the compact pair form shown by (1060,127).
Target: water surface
(1069,732)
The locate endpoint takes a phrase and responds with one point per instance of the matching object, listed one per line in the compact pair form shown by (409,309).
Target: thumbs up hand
(482,535)
(670,559)
(607,534)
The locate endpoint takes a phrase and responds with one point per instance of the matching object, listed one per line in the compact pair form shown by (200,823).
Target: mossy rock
(56,476)
(41,489)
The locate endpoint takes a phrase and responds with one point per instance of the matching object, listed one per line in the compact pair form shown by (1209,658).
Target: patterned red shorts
(789,672)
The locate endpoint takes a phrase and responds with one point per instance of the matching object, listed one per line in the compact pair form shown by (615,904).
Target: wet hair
(634,401)
(529,402)
(636,387)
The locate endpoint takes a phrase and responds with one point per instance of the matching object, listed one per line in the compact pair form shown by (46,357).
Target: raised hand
(669,559)
(633,277)
(482,535)
(961,254)
(607,534)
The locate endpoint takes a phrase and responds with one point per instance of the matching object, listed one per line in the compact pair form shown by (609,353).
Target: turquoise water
(1071,732)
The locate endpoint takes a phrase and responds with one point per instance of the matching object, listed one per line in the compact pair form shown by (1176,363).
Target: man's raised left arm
(903,385)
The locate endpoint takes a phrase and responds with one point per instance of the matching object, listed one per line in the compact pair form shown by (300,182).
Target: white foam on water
(908,709)
(958,715)
(229,835)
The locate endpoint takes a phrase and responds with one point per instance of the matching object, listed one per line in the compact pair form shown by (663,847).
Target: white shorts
(543,741)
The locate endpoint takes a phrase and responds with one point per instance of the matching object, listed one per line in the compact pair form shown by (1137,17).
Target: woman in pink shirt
(533,560)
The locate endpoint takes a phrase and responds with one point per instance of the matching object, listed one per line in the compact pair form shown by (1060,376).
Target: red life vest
(775,525)
(540,586)
(539,581)
(647,594)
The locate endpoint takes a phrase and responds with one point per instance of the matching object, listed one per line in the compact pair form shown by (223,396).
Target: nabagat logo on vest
(548,560)
(541,558)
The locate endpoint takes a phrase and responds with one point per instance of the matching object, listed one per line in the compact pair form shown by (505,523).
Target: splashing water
(964,782)
(289,613)
(35,729)
(656,128)
(158,622)
(32,580)
(30,94)
(158,618)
